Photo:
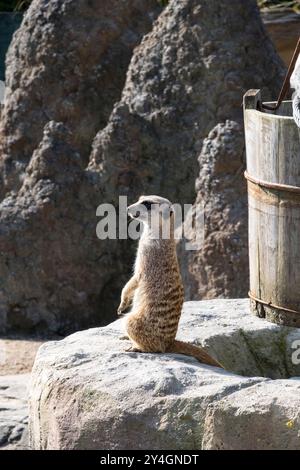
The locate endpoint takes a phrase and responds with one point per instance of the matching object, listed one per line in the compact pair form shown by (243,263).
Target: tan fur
(156,291)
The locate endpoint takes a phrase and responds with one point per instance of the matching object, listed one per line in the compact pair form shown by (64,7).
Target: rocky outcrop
(88,393)
(187,77)
(56,275)
(66,63)
(14,412)
(218,267)
(52,262)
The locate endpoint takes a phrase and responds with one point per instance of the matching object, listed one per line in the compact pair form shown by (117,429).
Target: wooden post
(273,174)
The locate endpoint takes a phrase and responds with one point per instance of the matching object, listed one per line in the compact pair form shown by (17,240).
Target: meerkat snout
(148,208)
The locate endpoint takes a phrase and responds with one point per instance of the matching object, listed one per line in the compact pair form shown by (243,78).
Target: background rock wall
(66,63)
(182,101)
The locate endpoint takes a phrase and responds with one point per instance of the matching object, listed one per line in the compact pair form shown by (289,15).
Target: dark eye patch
(147,205)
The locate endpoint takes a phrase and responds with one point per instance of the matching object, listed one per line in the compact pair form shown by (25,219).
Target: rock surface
(52,262)
(66,63)
(219,267)
(187,77)
(88,393)
(265,416)
(14,411)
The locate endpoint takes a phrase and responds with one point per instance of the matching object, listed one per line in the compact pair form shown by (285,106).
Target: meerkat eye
(147,205)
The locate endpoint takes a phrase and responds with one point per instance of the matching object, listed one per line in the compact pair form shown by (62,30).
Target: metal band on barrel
(269,304)
(268,185)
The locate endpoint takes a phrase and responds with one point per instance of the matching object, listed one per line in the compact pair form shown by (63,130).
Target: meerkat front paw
(122,309)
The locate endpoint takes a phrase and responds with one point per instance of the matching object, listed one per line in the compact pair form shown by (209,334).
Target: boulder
(14,411)
(88,393)
(265,416)
(66,63)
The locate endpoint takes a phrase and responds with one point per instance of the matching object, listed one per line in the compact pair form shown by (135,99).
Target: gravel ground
(17,354)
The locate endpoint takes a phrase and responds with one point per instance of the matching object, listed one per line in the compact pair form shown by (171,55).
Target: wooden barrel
(273,176)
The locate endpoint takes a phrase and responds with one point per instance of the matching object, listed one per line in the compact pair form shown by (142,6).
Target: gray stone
(14,411)
(182,104)
(66,63)
(88,393)
(295,84)
(52,265)
(187,77)
(219,266)
(245,344)
(265,416)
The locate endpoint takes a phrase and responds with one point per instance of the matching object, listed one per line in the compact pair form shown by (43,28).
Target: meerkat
(155,290)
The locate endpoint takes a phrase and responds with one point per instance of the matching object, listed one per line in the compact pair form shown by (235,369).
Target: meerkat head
(152,211)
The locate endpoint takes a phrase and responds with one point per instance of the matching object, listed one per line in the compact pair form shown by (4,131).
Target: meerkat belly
(164,306)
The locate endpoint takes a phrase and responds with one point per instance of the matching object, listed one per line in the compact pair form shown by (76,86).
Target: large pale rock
(14,411)
(265,416)
(66,63)
(88,393)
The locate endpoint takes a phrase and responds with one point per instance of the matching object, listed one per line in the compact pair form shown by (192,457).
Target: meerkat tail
(191,350)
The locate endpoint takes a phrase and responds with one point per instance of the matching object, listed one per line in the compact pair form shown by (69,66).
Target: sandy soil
(17,354)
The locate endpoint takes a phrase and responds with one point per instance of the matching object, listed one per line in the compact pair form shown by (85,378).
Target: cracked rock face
(88,393)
